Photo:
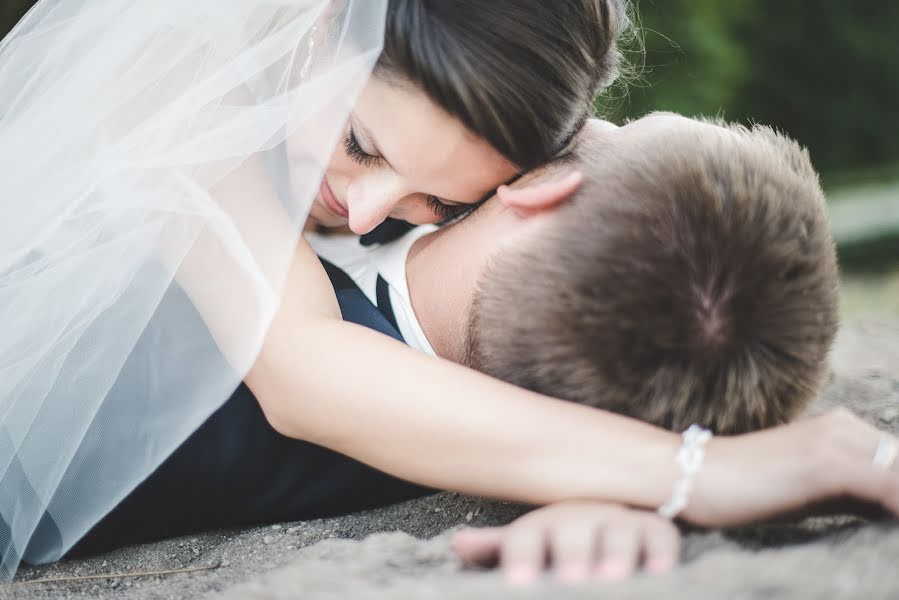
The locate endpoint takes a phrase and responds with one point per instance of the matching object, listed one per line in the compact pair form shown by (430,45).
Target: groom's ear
(540,195)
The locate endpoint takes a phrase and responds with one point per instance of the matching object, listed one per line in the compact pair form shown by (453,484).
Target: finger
(661,546)
(523,554)
(573,551)
(619,551)
(540,196)
(478,547)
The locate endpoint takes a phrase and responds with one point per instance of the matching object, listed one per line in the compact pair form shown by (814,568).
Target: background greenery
(826,72)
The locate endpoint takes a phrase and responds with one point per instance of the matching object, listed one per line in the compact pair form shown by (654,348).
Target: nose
(370,202)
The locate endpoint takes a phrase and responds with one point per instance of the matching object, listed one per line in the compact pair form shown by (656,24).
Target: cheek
(416,211)
(343,171)
(419,211)
(343,165)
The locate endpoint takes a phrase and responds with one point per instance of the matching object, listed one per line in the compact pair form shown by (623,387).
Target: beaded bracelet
(689,458)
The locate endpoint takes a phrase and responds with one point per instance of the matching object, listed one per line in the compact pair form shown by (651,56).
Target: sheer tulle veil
(157,162)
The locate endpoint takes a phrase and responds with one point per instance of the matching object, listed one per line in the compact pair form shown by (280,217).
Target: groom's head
(690,278)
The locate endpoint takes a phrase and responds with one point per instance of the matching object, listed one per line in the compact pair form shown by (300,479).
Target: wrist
(648,471)
(610,458)
(718,472)
(689,460)
(754,476)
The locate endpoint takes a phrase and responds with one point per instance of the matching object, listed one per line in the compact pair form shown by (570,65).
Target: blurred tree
(826,72)
(692,62)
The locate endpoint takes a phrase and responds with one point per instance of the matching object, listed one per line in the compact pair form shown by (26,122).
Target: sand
(403,551)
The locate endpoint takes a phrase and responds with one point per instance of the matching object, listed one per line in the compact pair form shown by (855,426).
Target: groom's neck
(440,291)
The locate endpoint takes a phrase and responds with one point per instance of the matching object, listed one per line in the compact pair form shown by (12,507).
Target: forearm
(460,430)
(356,393)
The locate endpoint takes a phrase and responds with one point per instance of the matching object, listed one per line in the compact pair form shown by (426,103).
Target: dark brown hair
(522,74)
(694,281)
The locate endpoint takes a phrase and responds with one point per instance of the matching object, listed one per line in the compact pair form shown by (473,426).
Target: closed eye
(453,213)
(444,210)
(356,153)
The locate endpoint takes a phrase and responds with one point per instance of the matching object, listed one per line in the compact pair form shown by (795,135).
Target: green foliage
(825,72)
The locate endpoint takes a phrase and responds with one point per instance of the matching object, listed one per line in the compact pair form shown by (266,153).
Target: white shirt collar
(363,265)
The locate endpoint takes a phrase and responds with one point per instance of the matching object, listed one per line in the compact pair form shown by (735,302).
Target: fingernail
(521,576)
(613,570)
(659,565)
(572,574)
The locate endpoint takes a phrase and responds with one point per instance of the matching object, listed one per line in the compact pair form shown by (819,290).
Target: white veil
(157,162)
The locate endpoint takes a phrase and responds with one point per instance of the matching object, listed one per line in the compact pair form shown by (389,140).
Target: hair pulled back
(522,74)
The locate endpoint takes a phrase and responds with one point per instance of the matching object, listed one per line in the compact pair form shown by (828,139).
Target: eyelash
(453,214)
(356,153)
(446,212)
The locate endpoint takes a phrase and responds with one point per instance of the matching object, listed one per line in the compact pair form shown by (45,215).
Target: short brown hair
(693,283)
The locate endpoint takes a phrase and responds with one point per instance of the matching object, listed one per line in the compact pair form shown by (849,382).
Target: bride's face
(404,157)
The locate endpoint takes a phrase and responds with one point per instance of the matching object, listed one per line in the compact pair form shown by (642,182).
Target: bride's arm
(439,424)
(360,393)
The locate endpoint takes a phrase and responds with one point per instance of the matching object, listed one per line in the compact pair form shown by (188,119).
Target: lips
(331,202)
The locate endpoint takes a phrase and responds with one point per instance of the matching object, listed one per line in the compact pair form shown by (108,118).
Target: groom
(690,278)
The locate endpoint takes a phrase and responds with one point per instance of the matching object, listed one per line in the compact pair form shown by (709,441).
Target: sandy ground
(403,551)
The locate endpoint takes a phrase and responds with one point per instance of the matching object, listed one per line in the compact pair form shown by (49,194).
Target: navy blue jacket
(237,471)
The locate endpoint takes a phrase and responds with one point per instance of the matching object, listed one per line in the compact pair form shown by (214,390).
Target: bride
(162,157)
(160,160)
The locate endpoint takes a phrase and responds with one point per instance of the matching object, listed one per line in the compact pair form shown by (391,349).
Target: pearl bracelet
(689,458)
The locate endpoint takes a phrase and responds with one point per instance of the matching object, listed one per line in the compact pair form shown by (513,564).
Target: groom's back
(235,470)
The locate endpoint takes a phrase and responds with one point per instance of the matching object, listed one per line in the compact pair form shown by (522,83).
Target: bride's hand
(577,540)
(755,476)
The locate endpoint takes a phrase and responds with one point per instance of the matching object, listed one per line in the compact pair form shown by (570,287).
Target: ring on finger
(886,453)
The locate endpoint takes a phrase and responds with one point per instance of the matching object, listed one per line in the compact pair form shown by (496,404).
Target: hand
(581,539)
(755,476)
